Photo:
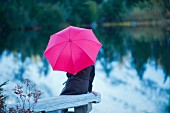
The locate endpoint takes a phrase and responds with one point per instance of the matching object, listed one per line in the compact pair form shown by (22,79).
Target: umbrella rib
(69,34)
(78,34)
(59,55)
(72,56)
(55,45)
(87,40)
(82,50)
(62,37)
(71,51)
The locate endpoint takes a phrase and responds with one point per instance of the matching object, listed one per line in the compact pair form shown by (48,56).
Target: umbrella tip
(70,26)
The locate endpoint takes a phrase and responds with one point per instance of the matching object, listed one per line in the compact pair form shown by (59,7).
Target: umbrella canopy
(72,49)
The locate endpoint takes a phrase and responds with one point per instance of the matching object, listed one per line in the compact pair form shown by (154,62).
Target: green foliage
(80,11)
(3,97)
(110,10)
(145,10)
(27,23)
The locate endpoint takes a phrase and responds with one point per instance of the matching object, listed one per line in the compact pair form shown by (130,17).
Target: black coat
(80,83)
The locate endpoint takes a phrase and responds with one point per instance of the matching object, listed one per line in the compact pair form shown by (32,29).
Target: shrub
(3,98)
(28,97)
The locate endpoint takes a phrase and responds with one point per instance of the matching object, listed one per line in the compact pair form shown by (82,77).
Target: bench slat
(65,101)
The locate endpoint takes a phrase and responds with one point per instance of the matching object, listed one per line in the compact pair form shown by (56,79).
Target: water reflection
(113,47)
(27,26)
(144,43)
(150,44)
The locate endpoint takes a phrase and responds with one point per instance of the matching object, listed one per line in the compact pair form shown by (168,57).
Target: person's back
(80,83)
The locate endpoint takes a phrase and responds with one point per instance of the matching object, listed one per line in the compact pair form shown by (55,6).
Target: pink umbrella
(72,49)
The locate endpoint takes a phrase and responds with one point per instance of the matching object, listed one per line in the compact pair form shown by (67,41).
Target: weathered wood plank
(65,101)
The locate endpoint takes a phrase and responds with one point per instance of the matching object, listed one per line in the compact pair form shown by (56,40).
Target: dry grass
(146,10)
(145,33)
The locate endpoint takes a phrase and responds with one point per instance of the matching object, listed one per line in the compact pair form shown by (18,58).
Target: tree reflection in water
(27,25)
(145,44)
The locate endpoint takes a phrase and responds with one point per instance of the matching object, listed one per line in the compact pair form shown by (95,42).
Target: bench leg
(83,109)
(89,107)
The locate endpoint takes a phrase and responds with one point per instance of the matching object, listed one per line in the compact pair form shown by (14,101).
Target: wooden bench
(81,103)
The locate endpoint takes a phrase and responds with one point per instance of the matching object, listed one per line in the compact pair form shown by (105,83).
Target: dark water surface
(144,43)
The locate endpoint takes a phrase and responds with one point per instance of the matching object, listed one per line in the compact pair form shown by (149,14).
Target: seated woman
(80,83)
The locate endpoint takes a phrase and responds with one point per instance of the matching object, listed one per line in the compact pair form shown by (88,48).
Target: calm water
(144,43)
